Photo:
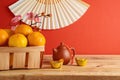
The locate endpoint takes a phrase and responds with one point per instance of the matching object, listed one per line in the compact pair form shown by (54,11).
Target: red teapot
(64,52)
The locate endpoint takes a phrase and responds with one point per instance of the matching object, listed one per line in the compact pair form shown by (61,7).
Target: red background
(97,32)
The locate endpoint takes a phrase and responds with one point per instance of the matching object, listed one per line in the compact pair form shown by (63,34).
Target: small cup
(81,61)
(57,64)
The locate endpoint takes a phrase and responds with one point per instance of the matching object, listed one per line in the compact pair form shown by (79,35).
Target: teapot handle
(73,55)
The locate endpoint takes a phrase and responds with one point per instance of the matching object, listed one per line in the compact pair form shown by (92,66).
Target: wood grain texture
(99,67)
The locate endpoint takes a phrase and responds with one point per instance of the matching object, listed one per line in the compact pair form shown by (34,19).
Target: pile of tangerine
(22,36)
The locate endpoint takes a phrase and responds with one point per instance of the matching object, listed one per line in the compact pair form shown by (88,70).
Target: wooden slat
(22,49)
(34,59)
(4,60)
(19,60)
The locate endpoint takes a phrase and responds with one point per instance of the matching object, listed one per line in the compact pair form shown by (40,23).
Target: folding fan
(64,12)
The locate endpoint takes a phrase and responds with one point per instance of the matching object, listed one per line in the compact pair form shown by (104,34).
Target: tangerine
(3,37)
(23,29)
(17,40)
(9,31)
(36,39)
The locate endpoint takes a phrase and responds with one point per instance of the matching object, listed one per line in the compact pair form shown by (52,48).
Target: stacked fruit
(22,36)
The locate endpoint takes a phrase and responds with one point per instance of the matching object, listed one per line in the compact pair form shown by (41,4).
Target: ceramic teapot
(64,52)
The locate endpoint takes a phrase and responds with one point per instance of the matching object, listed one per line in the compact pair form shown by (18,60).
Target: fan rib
(57,14)
(15,5)
(21,6)
(54,18)
(67,18)
(61,15)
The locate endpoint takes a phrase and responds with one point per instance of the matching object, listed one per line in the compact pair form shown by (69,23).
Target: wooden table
(99,67)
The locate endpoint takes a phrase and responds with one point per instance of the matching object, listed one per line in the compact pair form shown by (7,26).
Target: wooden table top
(99,67)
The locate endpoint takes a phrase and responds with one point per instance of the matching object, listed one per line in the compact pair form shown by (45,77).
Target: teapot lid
(63,46)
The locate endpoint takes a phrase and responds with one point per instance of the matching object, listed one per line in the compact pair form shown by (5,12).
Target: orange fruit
(17,40)
(36,39)
(23,29)
(9,31)
(3,37)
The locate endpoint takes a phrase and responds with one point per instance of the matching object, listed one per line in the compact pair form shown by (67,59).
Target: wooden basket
(14,57)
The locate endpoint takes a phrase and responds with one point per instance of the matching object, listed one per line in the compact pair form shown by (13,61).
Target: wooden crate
(14,57)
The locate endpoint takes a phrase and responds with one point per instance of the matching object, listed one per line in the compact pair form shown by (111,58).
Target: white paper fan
(64,12)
